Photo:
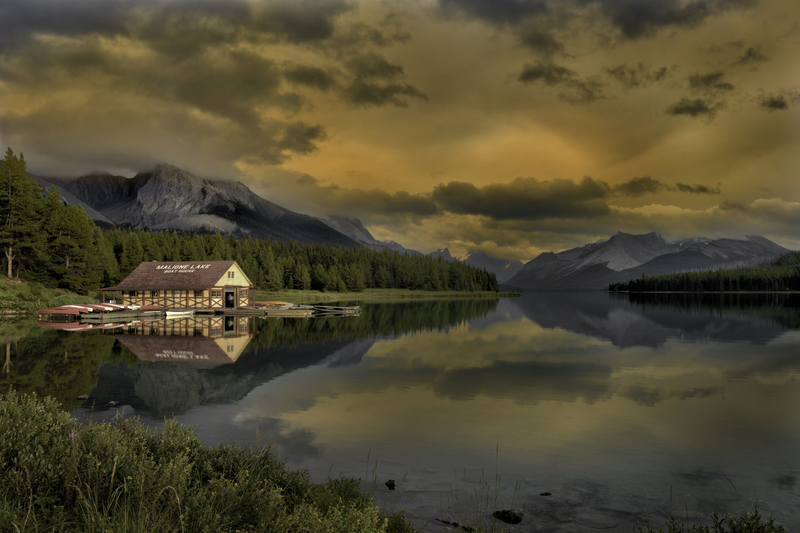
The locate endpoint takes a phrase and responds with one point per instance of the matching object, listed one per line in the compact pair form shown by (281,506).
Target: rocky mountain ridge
(625,256)
(171,198)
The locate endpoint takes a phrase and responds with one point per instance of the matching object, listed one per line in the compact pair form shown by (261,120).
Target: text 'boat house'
(186,285)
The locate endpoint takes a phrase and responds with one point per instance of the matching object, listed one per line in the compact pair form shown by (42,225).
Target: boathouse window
(154,294)
(242,293)
(230,274)
(216,293)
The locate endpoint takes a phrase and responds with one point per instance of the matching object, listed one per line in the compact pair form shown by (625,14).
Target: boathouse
(186,285)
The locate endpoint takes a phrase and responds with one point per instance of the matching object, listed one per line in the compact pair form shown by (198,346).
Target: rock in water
(509,516)
(390,484)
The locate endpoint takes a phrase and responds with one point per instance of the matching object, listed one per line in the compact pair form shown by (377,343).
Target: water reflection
(203,339)
(611,404)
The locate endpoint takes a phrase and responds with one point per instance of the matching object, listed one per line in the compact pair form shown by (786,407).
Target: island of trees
(779,275)
(47,241)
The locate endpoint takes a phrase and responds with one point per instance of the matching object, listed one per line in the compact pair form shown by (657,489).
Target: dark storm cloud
(637,76)
(639,186)
(573,88)
(752,55)
(693,108)
(497,11)
(540,40)
(300,138)
(298,20)
(374,66)
(698,189)
(710,83)
(774,103)
(547,72)
(364,93)
(632,19)
(310,76)
(207,62)
(377,82)
(291,20)
(525,198)
(643,18)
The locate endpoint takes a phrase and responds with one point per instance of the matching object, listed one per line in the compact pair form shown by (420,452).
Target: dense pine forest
(46,241)
(782,274)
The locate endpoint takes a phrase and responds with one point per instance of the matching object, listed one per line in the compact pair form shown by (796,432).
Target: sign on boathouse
(186,285)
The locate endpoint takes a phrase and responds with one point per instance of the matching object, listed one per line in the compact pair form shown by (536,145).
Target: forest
(782,274)
(47,241)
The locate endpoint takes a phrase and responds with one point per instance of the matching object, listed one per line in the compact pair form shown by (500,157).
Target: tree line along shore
(59,245)
(779,275)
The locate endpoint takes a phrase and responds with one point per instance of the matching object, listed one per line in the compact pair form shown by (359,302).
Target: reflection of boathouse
(187,285)
(209,339)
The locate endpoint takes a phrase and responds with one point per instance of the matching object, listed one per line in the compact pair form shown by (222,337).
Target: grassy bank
(59,475)
(372,295)
(22,297)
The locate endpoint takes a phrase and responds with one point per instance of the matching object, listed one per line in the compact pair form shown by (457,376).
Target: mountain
(503,269)
(444,253)
(625,256)
(171,198)
(354,228)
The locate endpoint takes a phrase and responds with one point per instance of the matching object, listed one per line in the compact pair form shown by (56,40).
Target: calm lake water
(621,409)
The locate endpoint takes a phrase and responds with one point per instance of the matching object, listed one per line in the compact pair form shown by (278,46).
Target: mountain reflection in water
(615,404)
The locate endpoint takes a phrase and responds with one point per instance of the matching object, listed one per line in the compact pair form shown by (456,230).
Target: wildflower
(71,435)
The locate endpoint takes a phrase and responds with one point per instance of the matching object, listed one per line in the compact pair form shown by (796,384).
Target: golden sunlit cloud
(511,127)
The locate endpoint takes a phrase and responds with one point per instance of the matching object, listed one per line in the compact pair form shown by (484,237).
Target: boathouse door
(230,298)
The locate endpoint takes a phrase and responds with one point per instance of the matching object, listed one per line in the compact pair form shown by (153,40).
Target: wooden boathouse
(208,285)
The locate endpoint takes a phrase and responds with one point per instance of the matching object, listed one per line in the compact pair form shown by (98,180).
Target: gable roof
(166,275)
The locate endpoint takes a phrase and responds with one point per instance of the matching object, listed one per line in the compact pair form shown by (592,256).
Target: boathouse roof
(177,275)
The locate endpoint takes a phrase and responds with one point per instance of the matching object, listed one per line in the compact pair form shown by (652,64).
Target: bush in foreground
(59,475)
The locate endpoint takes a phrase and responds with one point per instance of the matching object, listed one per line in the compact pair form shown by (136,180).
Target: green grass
(749,522)
(25,297)
(59,475)
(384,295)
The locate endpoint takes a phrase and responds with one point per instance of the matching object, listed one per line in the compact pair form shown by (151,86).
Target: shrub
(56,474)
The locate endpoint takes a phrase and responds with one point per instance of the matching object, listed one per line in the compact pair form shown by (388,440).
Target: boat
(180,313)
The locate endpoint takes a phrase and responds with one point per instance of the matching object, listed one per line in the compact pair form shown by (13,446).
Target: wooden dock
(100,315)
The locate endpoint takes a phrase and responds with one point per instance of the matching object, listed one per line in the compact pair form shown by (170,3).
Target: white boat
(180,313)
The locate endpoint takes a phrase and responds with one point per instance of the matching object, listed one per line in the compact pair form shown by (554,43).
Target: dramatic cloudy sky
(510,126)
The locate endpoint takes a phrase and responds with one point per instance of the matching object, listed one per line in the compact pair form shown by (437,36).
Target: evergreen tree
(21,208)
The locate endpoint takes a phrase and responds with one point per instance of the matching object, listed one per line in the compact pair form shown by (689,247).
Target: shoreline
(375,295)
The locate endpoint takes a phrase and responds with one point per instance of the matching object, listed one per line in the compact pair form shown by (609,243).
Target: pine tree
(20,213)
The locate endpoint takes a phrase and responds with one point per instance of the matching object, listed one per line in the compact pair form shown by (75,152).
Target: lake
(590,411)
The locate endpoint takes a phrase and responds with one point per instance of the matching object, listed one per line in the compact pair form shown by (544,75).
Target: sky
(513,127)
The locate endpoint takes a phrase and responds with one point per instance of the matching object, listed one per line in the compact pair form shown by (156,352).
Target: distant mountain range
(169,198)
(625,256)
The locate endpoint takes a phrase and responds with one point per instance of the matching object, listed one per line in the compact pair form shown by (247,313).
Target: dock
(115,313)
